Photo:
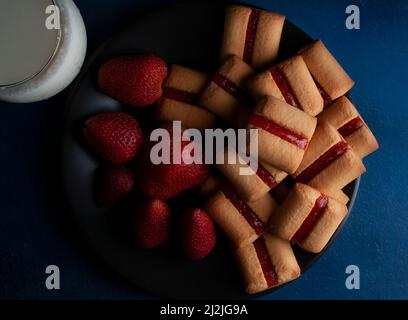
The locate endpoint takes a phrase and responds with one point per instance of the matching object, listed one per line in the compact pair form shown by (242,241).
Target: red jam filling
(285,87)
(230,87)
(352,126)
(244,210)
(267,268)
(311,220)
(265,176)
(180,95)
(279,131)
(250,36)
(327,100)
(322,162)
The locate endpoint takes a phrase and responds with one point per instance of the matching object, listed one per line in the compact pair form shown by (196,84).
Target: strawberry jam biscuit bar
(250,187)
(224,95)
(266,263)
(252,34)
(242,222)
(289,81)
(330,77)
(345,118)
(181,90)
(283,133)
(329,163)
(282,190)
(307,218)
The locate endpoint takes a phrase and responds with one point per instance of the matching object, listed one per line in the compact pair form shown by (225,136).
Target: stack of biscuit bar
(311,142)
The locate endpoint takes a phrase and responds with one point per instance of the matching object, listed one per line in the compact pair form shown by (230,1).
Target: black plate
(188,34)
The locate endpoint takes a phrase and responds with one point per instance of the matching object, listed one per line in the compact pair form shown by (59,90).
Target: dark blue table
(34,231)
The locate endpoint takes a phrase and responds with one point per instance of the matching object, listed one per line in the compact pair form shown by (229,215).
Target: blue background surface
(34,233)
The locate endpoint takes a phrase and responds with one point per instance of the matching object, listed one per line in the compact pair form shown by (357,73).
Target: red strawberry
(114,136)
(197,234)
(164,181)
(113,183)
(151,222)
(135,80)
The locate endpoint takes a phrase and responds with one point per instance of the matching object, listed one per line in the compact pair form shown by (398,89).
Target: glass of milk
(42,48)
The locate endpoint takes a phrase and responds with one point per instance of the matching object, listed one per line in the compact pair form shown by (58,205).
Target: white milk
(37,62)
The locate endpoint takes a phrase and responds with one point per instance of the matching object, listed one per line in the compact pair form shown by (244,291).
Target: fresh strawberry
(112,183)
(151,223)
(134,80)
(196,234)
(164,181)
(114,136)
